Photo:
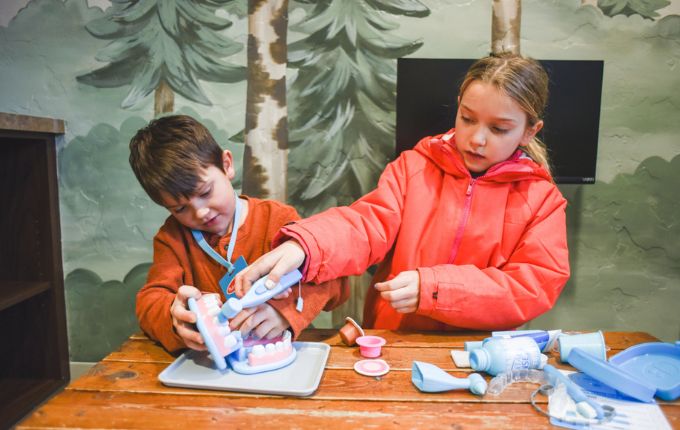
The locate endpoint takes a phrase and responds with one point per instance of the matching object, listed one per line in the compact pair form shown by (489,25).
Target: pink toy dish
(371,367)
(245,356)
(369,346)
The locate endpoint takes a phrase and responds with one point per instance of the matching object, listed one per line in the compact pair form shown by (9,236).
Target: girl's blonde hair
(522,79)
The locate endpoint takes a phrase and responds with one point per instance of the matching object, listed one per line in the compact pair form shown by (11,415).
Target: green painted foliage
(101,313)
(342,103)
(175,41)
(645,8)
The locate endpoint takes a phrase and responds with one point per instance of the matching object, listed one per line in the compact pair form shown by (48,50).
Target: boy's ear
(530,132)
(228,164)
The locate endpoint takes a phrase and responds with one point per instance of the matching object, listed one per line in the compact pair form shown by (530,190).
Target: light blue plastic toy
(246,356)
(259,294)
(431,379)
(586,406)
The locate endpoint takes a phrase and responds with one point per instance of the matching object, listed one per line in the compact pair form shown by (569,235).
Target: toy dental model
(244,355)
(431,379)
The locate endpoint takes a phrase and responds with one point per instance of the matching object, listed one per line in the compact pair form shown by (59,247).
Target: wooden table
(123,391)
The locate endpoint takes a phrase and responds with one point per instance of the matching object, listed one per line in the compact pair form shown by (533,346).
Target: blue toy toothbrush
(586,406)
(259,294)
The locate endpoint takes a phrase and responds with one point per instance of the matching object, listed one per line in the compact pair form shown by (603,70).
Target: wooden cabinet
(34,362)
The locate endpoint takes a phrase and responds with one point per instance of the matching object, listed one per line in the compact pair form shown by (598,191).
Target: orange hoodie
(178,260)
(491,251)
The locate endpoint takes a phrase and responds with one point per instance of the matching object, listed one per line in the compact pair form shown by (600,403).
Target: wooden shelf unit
(35,361)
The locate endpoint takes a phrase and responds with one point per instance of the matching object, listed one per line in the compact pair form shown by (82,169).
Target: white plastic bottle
(507,354)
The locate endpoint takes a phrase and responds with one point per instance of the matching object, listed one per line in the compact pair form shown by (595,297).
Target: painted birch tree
(266,134)
(506,20)
(165,47)
(343,99)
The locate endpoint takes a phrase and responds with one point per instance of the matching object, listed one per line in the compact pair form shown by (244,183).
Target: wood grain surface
(123,391)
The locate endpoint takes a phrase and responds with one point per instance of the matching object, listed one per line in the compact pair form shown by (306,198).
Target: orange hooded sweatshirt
(491,251)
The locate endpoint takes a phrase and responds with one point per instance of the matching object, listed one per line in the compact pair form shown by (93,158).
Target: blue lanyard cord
(198,235)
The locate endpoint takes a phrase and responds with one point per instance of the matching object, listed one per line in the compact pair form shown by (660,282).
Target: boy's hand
(263,321)
(276,263)
(183,319)
(403,291)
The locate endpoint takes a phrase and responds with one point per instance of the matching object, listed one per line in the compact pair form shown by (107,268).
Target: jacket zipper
(466,214)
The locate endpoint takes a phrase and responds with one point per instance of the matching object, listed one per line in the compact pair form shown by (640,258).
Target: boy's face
(490,126)
(211,207)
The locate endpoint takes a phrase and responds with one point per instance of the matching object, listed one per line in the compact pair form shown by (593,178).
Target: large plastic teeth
(223,330)
(279,346)
(230,341)
(286,343)
(213,310)
(270,348)
(258,350)
(286,335)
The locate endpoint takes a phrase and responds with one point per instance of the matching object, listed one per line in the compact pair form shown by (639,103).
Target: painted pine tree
(342,103)
(163,46)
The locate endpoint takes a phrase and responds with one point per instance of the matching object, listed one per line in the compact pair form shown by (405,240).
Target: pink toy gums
(220,340)
(248,355)
(261,355)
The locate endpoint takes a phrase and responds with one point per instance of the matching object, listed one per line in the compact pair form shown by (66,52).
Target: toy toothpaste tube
(545,339)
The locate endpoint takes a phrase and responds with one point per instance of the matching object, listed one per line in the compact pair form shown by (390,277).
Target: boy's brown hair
(168,154)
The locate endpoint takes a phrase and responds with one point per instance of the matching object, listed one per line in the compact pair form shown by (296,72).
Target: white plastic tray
(195,369)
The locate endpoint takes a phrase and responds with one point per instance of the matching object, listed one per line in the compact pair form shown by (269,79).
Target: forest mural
(326,107)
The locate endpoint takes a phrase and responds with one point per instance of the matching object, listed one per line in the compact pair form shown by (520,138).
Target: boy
(181,167)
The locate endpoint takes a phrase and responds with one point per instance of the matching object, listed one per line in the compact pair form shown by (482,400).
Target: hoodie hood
(441,149)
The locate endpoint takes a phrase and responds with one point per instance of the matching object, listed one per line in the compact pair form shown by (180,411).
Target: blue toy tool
(259,294)
(431,379)
(641,371)
(586,406)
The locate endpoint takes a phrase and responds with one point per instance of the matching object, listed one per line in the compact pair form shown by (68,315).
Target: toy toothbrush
(259,294)
(244,355)
(586,406)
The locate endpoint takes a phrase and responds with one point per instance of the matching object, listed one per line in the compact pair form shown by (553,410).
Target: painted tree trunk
(164,99)
(505,26)
(266,133)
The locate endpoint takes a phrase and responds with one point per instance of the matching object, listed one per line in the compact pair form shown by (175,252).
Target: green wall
(624,231)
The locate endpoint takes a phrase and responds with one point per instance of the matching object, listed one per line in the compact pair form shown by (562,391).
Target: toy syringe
(259,294)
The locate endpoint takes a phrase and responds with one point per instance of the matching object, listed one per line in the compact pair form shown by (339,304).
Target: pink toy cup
(369,346)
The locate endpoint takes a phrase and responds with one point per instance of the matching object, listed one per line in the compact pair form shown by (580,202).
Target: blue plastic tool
(431,379)
(259,294)
(612,375)
(586,406)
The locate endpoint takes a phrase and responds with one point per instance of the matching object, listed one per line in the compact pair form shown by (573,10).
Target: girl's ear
(228,164)
(530,133)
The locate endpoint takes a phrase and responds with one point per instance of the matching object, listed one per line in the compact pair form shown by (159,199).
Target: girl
(468,228)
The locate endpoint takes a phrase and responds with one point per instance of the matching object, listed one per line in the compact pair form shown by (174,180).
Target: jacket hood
(441,149)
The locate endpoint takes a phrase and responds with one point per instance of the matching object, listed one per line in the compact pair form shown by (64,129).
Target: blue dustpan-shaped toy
(431,379)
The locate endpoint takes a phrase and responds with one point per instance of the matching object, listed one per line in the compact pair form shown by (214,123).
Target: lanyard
(232,269)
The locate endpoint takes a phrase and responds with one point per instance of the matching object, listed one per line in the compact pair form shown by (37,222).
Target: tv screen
(427,91)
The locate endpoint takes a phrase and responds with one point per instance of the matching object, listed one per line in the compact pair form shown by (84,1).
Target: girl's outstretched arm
(276,263)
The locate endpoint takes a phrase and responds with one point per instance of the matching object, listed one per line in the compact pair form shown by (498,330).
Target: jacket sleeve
(326,296)
(346,240)
(156,296)
(503,297)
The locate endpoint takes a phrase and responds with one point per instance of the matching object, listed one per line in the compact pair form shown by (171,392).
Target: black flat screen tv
(427,91)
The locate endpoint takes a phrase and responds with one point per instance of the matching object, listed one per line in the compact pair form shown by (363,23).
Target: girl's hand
(263,321)
(276,263)
(183,319)
(403,291)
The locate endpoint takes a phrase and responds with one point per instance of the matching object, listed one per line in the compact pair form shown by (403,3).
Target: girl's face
(490,126)
(211,207)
